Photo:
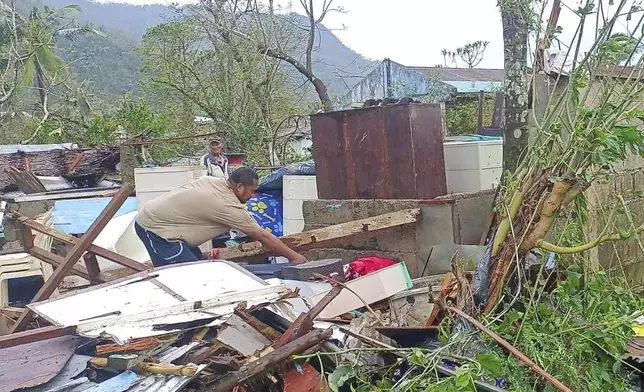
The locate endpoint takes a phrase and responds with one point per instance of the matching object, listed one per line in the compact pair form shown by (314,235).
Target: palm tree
(39,33)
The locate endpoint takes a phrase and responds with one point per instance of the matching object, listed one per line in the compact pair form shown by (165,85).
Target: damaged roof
(161,301)
(36,363)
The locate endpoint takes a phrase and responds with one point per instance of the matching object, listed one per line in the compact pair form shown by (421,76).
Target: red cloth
(366,265)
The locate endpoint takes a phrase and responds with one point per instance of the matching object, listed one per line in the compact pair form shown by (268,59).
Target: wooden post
(74,255)
(27,238)
(56,261)
(92,266)
(480,111)
(128,163)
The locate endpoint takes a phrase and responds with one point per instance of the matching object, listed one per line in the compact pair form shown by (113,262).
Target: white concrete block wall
(296,189)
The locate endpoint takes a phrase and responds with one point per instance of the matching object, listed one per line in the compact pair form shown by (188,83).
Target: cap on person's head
(215,140)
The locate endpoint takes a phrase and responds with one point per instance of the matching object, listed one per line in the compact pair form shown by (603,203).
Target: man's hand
(299,259)
(275,245)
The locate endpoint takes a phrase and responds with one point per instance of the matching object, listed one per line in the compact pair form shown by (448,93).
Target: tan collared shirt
(197,212)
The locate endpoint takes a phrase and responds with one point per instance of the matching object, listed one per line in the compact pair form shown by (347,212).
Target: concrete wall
(456,219)
(623,258)
(394,80)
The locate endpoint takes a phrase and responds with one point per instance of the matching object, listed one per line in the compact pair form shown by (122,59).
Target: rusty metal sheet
(382,152)
(400,162)
(33,364)
(305,379)
(367,171)
(329,155)
(429,161)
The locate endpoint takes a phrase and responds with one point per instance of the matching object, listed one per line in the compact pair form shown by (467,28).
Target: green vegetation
(94,71)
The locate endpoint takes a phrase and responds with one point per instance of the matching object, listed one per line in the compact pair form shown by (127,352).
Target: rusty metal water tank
(380,152)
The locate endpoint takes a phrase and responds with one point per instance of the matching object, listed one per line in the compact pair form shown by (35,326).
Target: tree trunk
(128,163)
(515,42)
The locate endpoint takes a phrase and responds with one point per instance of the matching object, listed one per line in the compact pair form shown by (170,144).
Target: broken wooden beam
(119,363)
(34,335)
(26,181)
(105,253)
(11,312)
(326,236)
(75,254)
(264,329)
(56,261)
(93,269)
(304,322)
(518,354)
(275,358)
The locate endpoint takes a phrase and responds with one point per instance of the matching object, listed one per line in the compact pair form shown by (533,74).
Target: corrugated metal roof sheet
(75,216)
(14,148)
(150,303)
(45,360)
(475,87)
(66,380)
(463,74)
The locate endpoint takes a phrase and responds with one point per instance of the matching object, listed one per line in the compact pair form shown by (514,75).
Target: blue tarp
(77,215)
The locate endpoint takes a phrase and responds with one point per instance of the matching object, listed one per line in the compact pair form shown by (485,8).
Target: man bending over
(173,225)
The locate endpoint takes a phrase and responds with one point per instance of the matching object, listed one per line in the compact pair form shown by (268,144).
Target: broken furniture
(68,263)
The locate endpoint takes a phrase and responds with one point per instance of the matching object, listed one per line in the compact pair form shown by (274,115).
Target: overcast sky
(413,32)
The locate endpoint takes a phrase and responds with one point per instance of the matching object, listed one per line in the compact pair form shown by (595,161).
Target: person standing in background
(215,161)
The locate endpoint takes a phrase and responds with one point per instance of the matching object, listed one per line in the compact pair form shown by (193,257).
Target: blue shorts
(163,252)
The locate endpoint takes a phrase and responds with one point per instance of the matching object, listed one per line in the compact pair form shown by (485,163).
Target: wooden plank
(91,263)
(34,335)
(105,253)
(74,255)
(275,358)
(27,237)
(327,236)
(56,261)
(26,181)
(304,323)
(68,195)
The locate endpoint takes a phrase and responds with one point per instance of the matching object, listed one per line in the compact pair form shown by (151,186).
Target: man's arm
(275,245)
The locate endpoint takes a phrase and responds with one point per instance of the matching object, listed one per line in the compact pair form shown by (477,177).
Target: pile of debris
(205,325)
(42,168)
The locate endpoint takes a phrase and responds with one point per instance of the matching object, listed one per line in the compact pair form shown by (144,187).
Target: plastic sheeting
(273,181)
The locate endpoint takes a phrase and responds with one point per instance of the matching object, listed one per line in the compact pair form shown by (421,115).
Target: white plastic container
(152,182)
(472,166)
(296,189)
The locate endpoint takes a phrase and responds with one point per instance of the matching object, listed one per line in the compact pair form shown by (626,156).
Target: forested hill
(111,65)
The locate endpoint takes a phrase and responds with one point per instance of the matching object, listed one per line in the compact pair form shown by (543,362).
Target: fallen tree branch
(520,356)
(566,250)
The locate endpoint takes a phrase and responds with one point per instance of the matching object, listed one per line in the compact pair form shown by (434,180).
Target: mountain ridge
(124,24)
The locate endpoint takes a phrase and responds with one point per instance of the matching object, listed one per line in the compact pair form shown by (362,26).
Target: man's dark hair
(244,176)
